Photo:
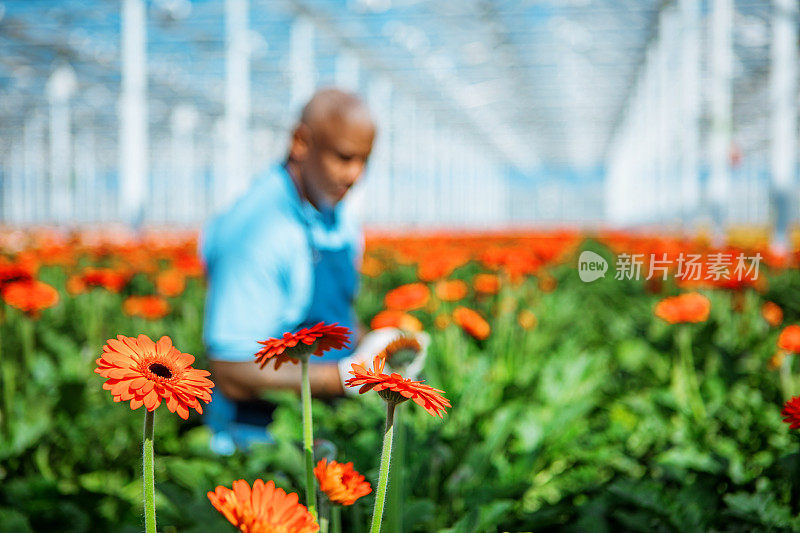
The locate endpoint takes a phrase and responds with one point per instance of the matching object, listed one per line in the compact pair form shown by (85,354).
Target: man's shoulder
(267,194)
(261,218)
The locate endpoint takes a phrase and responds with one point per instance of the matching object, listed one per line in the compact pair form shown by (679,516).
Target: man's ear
(301,137)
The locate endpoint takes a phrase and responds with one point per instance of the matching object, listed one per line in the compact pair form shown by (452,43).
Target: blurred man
(284,257)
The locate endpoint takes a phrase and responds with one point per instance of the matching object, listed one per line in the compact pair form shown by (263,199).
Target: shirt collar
(303,208)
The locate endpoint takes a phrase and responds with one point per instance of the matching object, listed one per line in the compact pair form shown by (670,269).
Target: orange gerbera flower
(547,283)
(394,388)
(264,509)
(441,321)
(20,270)
(371,267)
(526,319)
(440,264)
(146,373)
(170,283)
(30,296)
(292,346)
(776,360)
(401,351)
(392,318)
(340,482)
(772,313)
(451,290)
(689,307)
(789,339)
(486,283)
(149,307)
(791,412)
(109,279)
(75,285)
(189,263)
(471,322)
(407,297)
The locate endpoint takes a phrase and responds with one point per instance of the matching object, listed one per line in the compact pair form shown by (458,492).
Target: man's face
(336,155)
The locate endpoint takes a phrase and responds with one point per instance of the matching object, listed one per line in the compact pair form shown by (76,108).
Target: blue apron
(239,424)
(335,286)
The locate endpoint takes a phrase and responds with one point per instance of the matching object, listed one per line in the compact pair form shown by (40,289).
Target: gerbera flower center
(392,396)
(160,370)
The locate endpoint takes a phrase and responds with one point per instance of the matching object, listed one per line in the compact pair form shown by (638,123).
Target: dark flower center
(160,370)
(391,396)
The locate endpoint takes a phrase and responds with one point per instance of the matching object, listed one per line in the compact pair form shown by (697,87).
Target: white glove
(372,344)
(414,368)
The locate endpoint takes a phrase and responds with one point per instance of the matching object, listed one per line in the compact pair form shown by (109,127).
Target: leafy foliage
(570,426)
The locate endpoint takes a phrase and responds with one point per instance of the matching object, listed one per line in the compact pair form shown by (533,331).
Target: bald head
(330,145)
(331,107)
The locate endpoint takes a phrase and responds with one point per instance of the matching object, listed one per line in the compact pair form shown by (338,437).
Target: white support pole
(108,204)
(456,176)
(474,203)
(399,166)
(219,162)
(690,93)
(443,169)
(133,146)
(264,150)
(14,208)
(429,168)
(6,183)
(670,106)
(491,198)
(34,199)
(784,87)
(663,110)
(347,72)
(60,87)
(411,210)
(182,184)
(302,68)
(237,100)
(162,208)
(460,171)
(503,194)
(437,174)
(204,167)
(85,175)
(379,99)
(642,210)
(721,108)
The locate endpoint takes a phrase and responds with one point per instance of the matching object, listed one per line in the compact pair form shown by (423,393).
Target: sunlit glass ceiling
(541,81)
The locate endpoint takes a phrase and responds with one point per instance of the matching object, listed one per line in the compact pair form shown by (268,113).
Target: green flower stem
(28,348)
(308,440)
(383,476)
(324,514)
(96,301)
(7,375)
(679,382)
(787,384)
(336,518)
(149,477)
(394,492)
(684,339)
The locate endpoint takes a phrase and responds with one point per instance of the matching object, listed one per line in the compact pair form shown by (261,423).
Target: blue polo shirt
(275,264)
(267,259)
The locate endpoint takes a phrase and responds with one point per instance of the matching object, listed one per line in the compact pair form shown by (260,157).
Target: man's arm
(253,294)
(245,380)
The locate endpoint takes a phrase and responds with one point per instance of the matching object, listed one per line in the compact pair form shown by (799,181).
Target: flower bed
(565,410)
